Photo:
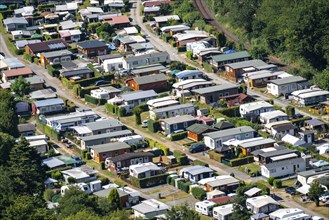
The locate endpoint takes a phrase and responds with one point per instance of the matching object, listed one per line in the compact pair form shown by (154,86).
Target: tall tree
(21,86)
(8,117)
(182,213)
(239,212)
(26,171)
(220,39)
(74,201)
(27,207)
(6,144)
(114,199)
(315,192)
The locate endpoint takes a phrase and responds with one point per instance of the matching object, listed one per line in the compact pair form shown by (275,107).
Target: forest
(295,31)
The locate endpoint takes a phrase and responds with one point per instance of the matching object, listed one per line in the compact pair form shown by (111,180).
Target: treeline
(296,31)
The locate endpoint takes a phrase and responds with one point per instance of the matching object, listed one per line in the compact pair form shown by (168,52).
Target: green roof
(230,56)
(36,36)
(198,128)
(67,160)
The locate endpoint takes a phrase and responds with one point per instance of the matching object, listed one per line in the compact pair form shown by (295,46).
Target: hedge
(182,185)
(215,156)
(181,157)
(201,163)
(85,90)
(50,132)
(116,110)
(94,100)
(52,71)
(230,112)
(300,121)
(181,49)
(178,136)
(149,181)
(66,83)
(28,57)
(199,193)
(91,81)
(153,126)
(50,172)
(152,144)
(241,161)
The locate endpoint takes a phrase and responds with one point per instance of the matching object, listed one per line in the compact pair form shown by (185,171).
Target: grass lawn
(290,182)
(158,190)
(204,217)
(322,209)
(252,167)
(175,196)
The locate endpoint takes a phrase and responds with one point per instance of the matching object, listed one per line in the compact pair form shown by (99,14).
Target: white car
(324,198)
(144,124)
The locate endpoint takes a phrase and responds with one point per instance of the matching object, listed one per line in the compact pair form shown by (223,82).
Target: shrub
(88,156)
(149,181)
(121,112)
(215,156)
(199,193)
(92,100)
(241,161)
(153,126)
(86,90)
(91,81)
(189,55)
(181,49)
(151,142)
(178,136)
(168,179)
(230,112)
(56,175)
(164,148)
(36,60)
(300,121)
(102,165)
(182,185)
(138,118)
(28,57)
(71,180)
(48,194)
(270,180)
(201,163)
(183,160)
(52,71)
(277,183)
(172,181)
(83,154)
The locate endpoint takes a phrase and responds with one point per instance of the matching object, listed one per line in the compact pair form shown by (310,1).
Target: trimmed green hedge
(201,163)
(50,132)
(241,161)
(153,126)
(152,144)
(230,112)
(91,81)
(149,181)
(215,156)
(181,49)
(184,186)
(181,157)
(199,193)
(28,57)
(94,100)
(52,71)
(178,136)
(300,121)
(114,109)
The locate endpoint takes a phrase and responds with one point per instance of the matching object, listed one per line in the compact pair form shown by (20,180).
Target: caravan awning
(304,189)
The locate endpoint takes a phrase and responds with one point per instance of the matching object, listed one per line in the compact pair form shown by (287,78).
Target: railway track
(210,18)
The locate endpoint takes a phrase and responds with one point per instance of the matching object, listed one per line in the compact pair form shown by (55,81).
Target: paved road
(4,48)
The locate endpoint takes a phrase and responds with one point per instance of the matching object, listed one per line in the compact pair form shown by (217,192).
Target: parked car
(101,82)
(198,147)
(324,197)
(298,116)
(290,190)
(144,124)
(78,160)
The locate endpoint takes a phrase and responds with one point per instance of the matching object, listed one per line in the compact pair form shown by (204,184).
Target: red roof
(119,20)
(204,118)
(221,199)
(18,72)
(156,3)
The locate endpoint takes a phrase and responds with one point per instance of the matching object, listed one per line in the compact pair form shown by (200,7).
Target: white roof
(138,39)
(195,170)
(303,91)
(224,209)
(219,180)
(53,162)
(285,156)
(95,9)
(293,140)
(165,103)
(150,205)
(272,114)
(236,142)
(304,189)
(131,30)
(37,143)
(153,101)
(261,201)
(143,167)
(205,203)
(36,137)
(186,82)
(284,213)
(255,105)
(216,192)
(166,18)
(81,129)
(323,149)
(313,94)
(252,191)
(174,27)
(190,34)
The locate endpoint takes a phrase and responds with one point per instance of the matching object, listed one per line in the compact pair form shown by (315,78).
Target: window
(175,126)
(247,135)
(282,168)
(185,124)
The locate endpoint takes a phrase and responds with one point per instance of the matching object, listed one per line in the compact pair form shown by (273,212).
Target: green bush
(199,193)
(88,156)
(230,112)
(241,161)
(178,153)
(83,154)
(36,60)
(172,181)
(178,136)
(19,51)
(104,180)
(201,163)
(28,57)
(149,181)
(85,90)
(153,126)
(183,160)
(151,142)
(52,71)
(56,175)
(184,186)
(215,156)
(270,180)
(164,148)
(67,83)
(277,183)
(300,121)
(50,132)
(91,81)
(189,55)
(168,179)
(48,194)
(121,112)
(102,165)
(181,49)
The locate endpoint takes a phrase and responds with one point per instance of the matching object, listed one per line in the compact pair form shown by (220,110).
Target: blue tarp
(229,51)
